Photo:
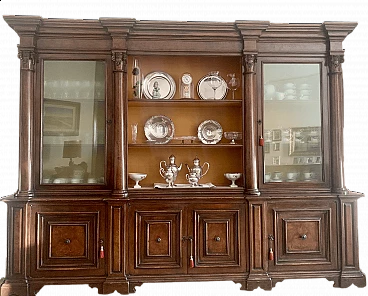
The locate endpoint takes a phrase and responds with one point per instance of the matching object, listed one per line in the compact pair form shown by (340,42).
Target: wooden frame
(60,118)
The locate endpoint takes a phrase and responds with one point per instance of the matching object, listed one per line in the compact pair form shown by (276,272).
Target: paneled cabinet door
(304,235)
(156,245)
(67,240)
(218,235)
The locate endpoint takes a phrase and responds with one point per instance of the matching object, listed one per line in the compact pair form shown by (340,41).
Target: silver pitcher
(169,171)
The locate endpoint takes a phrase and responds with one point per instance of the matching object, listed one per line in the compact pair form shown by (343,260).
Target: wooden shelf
(194,145)
(184,103)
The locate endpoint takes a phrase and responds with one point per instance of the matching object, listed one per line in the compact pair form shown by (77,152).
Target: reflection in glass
(73,125)
(292,123)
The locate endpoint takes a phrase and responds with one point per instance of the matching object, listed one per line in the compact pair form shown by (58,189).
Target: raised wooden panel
(304,238)
(217,241)
(67,240)
(158,247)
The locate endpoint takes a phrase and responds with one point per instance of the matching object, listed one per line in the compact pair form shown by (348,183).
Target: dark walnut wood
(256,234)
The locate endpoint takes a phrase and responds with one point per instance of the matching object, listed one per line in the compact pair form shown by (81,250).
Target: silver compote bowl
(232,177)
(233,136)
(137,177)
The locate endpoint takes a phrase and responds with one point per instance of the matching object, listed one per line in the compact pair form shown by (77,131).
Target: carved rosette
(335,62)
(249,62)
(120,61)
(28,58)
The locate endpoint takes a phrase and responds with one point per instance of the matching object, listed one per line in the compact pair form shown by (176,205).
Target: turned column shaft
(337,127)
(250,145)
(26,126)
(120,154)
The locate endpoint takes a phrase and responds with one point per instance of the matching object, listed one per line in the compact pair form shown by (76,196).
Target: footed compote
(233,136)
(232,177)
(137,177)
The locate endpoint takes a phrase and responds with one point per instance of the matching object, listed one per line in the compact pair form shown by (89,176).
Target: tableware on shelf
(290,91)
(169,171)
(279,96)
(232,177)
(290,97)
(159,129)
(192,179)
(269,91)
(134,127)
(277,177)
(304,86)
(197,168)
(137,177)
(292,176)
(308,176)
(267,177)
(210,132)
(232,84)
(233,136)
(205,90)
(137,80)
(289,85)
(159,86)
(184,139)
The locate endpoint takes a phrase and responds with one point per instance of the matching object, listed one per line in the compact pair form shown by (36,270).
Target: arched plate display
(210,132)
(159,86)
(159,129)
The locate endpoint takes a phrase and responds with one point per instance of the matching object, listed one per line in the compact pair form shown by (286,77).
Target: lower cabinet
(186,239)
(66,240)
(302,235)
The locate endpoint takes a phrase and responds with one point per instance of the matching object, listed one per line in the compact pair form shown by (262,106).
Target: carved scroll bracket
(120,61)
(28,59)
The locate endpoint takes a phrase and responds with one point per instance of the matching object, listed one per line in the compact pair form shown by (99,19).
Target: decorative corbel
(120,61)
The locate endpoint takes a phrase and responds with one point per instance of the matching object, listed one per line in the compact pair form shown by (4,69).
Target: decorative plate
(159,86)
(159,129)
(210,132)
(206,92)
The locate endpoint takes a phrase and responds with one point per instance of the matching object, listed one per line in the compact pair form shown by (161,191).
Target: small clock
(186,86)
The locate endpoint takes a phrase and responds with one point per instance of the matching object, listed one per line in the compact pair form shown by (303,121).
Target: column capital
(249,63)
(335,62)
(120,61)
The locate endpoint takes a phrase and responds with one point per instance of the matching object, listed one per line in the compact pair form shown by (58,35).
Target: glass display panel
(292,123)
(73,122)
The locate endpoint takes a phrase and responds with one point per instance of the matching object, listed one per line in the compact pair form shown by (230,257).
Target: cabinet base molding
(109,287)
(255,281)
(355,279)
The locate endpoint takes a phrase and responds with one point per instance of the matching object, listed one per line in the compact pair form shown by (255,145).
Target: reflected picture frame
(60,118)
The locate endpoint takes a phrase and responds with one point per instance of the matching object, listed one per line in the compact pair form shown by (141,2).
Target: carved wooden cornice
(336,33)
(250,31)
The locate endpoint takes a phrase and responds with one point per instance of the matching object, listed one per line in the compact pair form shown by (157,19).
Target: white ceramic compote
(137,177)
(232,177)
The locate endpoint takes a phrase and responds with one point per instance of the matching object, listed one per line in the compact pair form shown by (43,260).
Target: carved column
(26,125)
(119,59)
(337,127)
(250,97)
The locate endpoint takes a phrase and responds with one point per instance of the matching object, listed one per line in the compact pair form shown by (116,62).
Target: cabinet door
(305,236)
(67,240)
(218,239)
(156,240)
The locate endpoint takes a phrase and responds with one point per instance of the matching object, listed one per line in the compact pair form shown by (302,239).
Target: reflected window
(292,123)
(73,122)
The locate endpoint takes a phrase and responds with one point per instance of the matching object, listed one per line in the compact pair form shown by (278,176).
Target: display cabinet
(155,151)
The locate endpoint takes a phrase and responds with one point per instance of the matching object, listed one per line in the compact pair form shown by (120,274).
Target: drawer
(304,237)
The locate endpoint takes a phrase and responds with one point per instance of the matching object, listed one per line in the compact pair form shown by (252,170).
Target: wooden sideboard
(77,216)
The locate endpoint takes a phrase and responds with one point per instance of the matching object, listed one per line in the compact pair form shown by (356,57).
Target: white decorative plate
(205,91)
(159,86)
(210,132)
(159,129)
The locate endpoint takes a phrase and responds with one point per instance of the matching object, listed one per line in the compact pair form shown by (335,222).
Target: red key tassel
(261,141)
(270,255)
(102,253)
(191,262)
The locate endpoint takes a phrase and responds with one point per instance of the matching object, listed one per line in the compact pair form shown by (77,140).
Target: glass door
(73,122)
(292,133)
